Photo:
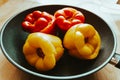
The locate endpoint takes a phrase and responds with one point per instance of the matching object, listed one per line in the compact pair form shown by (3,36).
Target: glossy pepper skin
(38,21)
(67,17)
(43,50)
(82,41)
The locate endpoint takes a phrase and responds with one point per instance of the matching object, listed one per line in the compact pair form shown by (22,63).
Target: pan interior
(13,38)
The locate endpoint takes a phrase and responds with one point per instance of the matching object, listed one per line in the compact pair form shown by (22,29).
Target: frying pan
(13,37)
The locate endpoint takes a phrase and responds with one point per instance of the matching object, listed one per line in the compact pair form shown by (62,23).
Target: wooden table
(10,72)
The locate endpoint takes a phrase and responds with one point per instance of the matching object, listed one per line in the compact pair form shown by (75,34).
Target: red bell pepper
(67,17)
(38,21)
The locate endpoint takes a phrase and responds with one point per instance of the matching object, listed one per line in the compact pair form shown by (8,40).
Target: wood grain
(10,72)
(118,2)
(2,2)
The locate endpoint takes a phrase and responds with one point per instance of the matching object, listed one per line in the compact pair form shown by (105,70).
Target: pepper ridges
(38,21)
(67,17)
(43,50)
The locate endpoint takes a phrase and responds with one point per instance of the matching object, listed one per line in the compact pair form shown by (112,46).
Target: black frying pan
(13,38)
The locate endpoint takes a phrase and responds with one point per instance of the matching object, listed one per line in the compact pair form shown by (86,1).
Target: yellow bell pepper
(82,41)
(43,50)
